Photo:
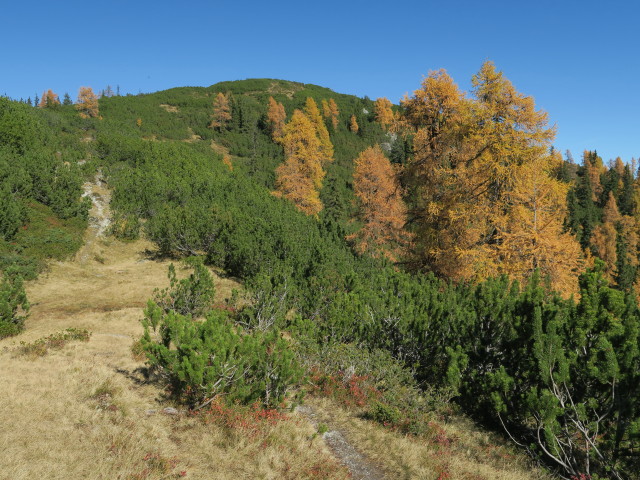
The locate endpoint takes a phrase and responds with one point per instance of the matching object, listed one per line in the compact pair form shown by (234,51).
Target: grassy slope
(81,412)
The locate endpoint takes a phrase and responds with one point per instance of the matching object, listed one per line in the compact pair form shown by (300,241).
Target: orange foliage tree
(605,237)
(486,200)
(49,99)
(331,112)
(299,178)
(276,117)
(381,208)
(87,104)
(226,159)
(383,112)
(353,124)
(221,111)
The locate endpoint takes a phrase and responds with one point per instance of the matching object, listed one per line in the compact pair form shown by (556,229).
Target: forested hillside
(42,214)
(441,241)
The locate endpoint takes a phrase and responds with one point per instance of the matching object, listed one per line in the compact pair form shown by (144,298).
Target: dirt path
(104,287)
(99,215)
(360,467)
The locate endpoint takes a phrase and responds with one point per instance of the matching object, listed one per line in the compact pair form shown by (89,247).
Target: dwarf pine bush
(214,357)
(14,306)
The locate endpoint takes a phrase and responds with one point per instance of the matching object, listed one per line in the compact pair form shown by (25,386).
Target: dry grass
(101,285)
(192,137)
(464,452)
(82,411)
(169,108)
(216,147)
(289,90)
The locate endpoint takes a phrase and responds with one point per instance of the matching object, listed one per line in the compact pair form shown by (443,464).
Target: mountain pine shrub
(13,306)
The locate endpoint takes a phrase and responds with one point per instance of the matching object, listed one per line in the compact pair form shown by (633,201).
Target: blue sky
(579,59)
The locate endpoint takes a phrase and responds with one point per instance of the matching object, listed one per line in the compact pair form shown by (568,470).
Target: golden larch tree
(299,178)
(594,168)
(381,207)
(618,166)
(313,113)
(87,104)
(221,111)
(330,112)
(605,237)
(531,234)
(446,229)
(49,99)
(353,124)
(276,117)
(631,237)
(383,112)
(486,200)
(326,111)
(334,113)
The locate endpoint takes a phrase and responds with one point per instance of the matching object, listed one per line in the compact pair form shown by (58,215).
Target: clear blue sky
(579,59)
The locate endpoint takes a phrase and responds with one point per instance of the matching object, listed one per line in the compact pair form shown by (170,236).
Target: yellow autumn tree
(49,99)
(531,234)
(313,113)
(276,117)
(509,143)
(353,124)
(330,112)
(381,207)
(87,103)
(299,178)
(618,166)
(486,200)
(334,113)
(594,168)
(383,112)
(605,237)
(439,179)
(326,112)
(221,112)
